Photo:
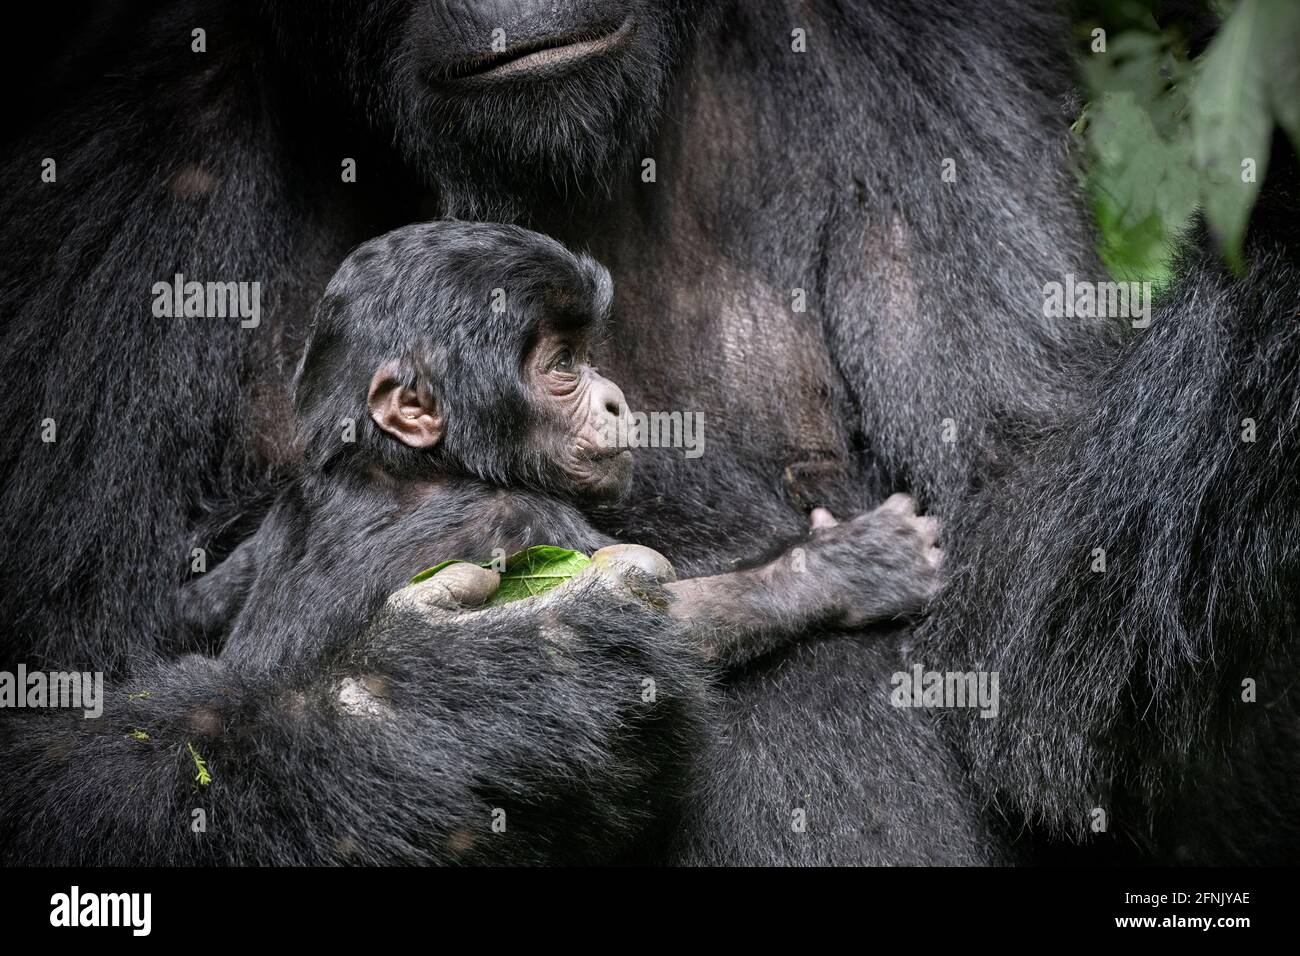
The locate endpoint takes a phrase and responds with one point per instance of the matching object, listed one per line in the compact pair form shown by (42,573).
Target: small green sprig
(204,777)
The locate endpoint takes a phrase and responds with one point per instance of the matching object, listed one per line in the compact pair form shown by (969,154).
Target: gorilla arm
(878,566)
(210,603)
(1141,563)
(549,730)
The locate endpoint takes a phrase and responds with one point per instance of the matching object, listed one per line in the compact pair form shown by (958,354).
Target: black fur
(365,511)
(776,171)
(422,297)
(926,305)
(310,766)
(1120,685)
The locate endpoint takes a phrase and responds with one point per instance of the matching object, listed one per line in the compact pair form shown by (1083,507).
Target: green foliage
(536,570)
(1166,135)
(531,571)
(204,777)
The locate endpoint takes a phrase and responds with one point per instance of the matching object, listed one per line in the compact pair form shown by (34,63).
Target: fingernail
(618,559)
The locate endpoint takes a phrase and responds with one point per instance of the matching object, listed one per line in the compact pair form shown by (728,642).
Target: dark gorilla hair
(493,152)
(820,171)
(1202,547)
(424,294)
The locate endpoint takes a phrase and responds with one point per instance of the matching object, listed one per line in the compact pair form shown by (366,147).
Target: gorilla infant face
(470,342)
(587,414)
(498,103)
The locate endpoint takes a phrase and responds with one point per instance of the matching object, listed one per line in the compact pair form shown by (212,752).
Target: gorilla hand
(879,565)
(568,718)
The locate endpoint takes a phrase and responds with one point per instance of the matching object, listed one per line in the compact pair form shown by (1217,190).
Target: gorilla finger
(822,518)
(900,502)
(624,571)
(624,561)
(457,587)
(928,528)
(627,572)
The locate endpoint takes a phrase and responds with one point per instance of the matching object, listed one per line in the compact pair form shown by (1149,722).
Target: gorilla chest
(751,363)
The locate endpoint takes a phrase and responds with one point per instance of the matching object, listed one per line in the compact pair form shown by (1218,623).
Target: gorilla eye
(564,360)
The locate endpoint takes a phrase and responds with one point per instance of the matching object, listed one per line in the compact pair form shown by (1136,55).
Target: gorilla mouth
(599,456)
(542,57)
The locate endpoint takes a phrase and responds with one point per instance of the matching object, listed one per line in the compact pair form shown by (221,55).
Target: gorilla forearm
(878,566)
(1109,678)
(400,750)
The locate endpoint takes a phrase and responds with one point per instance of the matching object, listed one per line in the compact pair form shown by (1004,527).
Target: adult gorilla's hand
(624,569)
(551,729)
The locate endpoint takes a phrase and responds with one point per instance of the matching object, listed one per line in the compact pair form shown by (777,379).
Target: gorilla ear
(411,415)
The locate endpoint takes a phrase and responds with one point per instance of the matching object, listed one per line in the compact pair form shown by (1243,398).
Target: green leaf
(531,571)
(1148,65)
(1141,172)
(536,570)
(1283,66)
(1144,188)
(1232,119)
(1141,253)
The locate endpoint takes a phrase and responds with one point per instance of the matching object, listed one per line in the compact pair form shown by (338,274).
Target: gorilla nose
(610,409)
(611,398)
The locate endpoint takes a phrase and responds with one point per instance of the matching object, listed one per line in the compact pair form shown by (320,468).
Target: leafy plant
(1166,134)
(204,777)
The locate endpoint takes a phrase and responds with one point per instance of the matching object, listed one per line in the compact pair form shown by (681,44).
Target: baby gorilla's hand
(879,565)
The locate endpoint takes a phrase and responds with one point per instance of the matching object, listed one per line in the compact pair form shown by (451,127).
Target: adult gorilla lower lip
(541,58)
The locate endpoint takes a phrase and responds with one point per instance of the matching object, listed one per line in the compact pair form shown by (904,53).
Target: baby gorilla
(447,407)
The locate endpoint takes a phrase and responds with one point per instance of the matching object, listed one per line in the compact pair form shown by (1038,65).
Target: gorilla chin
(609,478)
(555,113)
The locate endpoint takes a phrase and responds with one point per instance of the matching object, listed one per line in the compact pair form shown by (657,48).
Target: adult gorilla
(815,171)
